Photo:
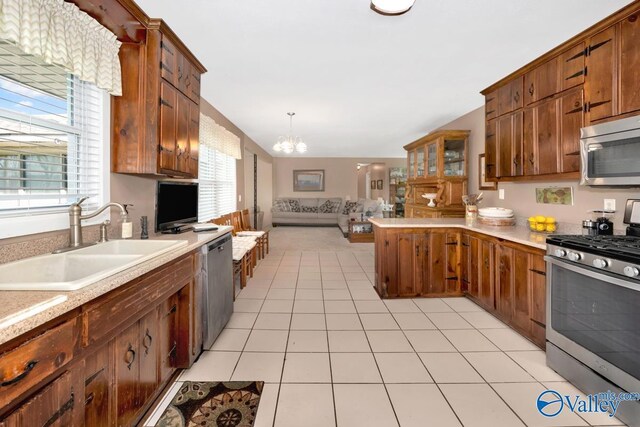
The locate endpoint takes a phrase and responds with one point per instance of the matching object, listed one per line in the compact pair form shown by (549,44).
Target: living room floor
(331,352)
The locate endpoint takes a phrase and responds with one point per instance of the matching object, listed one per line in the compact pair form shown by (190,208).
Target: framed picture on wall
(373,184)
(380,183)
(308,180)
(482,177)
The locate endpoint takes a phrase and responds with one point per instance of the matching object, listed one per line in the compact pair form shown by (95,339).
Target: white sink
(74,270)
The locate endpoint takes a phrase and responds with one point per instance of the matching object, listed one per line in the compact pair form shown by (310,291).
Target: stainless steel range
(593,314)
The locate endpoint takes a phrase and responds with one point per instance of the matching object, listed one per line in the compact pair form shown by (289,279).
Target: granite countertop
(516,233)
(52,304)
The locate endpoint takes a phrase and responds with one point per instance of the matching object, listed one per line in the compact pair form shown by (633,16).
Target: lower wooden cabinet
(113,377)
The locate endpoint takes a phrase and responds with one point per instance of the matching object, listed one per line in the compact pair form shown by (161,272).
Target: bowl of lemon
(543,224)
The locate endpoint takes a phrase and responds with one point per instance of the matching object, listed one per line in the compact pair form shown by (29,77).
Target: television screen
(176,204)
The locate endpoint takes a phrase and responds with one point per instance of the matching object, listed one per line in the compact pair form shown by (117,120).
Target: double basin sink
(70,271)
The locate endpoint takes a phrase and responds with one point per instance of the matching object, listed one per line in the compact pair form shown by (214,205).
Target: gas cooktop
(623,248)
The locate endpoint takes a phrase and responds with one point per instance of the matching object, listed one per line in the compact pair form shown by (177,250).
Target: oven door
(611,160)
(596,319)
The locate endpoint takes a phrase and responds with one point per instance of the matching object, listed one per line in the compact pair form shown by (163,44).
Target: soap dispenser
(127,225)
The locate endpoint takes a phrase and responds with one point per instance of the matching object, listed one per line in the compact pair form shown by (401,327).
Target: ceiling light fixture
(288,144)
(392,7)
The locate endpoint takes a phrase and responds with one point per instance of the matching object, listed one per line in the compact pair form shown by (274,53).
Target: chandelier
(288,144)
(392,7)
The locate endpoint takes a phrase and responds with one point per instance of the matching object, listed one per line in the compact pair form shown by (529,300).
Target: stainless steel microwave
(610,153)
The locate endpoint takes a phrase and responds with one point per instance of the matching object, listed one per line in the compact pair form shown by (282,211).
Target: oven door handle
(586,271)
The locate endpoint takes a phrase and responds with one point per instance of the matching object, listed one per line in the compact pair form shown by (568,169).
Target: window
(217,183)
(51,142)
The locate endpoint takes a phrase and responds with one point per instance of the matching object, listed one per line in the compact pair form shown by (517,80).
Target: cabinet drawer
(104,316)
(27,365)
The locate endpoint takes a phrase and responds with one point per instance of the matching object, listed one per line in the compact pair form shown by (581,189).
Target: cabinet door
(182,133)
(521,297)
(543,81)
(504,282)
(168,61)
(194,139)
(168,107)
(572,120)
(452,279)
(573,69)
(629,64)
(465,262)
(529,149)
(510,145)
(485,284)
(491,105)
(58,405)
(194,87)
(127,374)
(408,249)
(490,149)
(546,137)
(475,261)
(510,96)
(538,295)
(600,81)
(434,282)
(148,335)
(168,339)
(98,393)
(391,263)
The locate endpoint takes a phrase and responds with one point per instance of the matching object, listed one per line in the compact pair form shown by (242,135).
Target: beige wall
(341,175)
(521,196)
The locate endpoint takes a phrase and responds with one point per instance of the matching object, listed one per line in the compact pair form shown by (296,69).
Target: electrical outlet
(501,193)
(240,198)
(609,204)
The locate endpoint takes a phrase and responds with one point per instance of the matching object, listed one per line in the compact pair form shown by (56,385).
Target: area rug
(213,404)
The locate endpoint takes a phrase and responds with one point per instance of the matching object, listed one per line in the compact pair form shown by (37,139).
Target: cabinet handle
(540,272)
(68,405)
(516,97)
(486,263)
(27,368)
(165,103)
(418,250)
(89,399)
(531,159)
(146,341)
(130,357)
(531,89)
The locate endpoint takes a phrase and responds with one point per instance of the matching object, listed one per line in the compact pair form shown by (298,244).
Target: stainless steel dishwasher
(218,289)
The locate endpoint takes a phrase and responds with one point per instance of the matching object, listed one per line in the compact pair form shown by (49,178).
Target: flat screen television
(176,206)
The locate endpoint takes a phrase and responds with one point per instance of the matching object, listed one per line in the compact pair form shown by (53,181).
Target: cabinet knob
(531,89)
(146,341)
(516,97)
(130,357)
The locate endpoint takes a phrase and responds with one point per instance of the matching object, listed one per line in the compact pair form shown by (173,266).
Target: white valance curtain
(61,34)
(218,138)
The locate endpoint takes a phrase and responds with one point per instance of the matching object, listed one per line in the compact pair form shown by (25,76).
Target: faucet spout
(123,210)
(76,217)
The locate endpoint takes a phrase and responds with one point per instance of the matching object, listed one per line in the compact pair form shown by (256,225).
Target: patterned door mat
(215,404)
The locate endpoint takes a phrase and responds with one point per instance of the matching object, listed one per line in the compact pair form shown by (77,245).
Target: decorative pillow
(326,207)
(281,205)
(309,209)
(294,205)
(349,207)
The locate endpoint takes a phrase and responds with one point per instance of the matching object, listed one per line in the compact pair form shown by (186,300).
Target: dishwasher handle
(219,244)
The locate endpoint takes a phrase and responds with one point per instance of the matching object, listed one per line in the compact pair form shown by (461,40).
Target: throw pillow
(309,209)
(326,207)
(280,205)
(349,207)
(336,206)
(294,205)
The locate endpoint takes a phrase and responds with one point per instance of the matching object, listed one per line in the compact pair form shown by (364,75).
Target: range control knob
(600,263)
(631,271)
(560,253)
(574,256)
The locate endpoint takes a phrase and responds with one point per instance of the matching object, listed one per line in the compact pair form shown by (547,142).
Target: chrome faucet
(75,222)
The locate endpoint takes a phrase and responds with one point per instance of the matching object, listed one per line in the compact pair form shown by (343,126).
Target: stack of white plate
(495,213)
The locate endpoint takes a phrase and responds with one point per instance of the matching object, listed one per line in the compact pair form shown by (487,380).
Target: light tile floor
(332,353)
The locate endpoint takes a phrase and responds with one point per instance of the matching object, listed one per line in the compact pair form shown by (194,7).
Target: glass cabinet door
(420,162)
(432,159)
(412,164)
(454,161)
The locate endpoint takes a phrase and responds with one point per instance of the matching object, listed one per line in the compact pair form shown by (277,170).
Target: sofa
(306,211)
(322,211)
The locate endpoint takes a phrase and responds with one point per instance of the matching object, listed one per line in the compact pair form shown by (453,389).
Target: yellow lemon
(540,218)
(551,220)
(551,228)
(540,227)
(532,219)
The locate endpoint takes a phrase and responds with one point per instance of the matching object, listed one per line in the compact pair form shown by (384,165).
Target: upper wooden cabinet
(437,163)
(156,120)
(594,77)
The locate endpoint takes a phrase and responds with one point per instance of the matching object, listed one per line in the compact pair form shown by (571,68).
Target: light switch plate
(609,204)
(501,193)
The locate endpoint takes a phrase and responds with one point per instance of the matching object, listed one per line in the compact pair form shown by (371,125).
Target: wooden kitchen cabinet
(504,281)
(486,274)
(161,90)
(510,96)
(510,145)
(600,81)
(572,66)
(127,374)
(99,389)
(543,81)
(571,121)
(629,63)
(491,150)
(538,295)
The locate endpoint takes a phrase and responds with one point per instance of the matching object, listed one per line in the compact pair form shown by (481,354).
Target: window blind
(50,137)
(217,183)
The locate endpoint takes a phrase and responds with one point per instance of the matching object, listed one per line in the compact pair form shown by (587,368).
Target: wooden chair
(247,230)
(236,220)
